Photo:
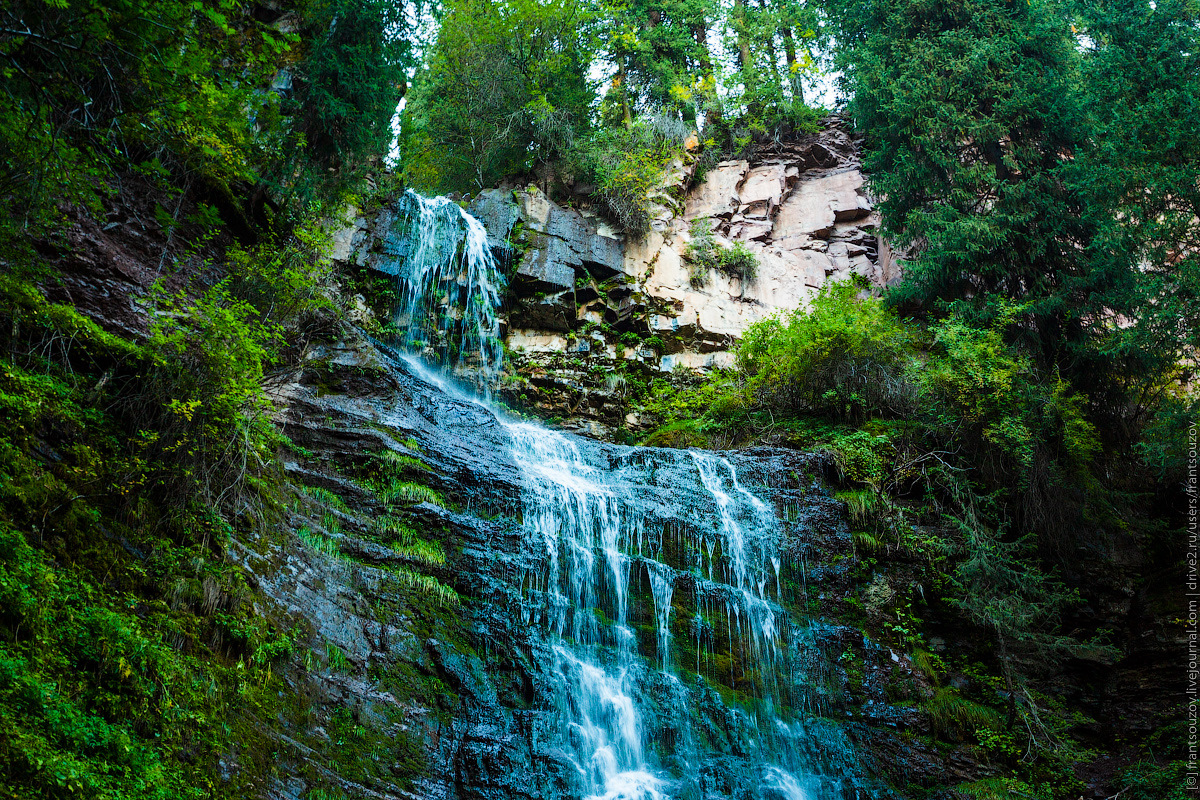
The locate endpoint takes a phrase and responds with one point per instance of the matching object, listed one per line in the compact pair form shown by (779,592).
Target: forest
(1009,424)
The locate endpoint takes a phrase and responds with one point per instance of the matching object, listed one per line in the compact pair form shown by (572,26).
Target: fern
(331,523)
(423,552)
(426,585)
(397,463)
(318,543)
(950,711)
(861,504)
(337,659)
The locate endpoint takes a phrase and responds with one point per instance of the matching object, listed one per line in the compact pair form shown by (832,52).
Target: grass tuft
(949,711)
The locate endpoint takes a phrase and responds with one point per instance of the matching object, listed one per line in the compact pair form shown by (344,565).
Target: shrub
(626,165)
(988,394)
(408,493)
(950,711)
(844,357)
(740,261)
(703,255)
(201,410)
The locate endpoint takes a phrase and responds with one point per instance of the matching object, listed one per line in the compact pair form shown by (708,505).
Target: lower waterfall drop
(615,539)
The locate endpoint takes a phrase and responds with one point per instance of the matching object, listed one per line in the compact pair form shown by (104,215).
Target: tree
(505,90)
(1032,163)
(971,112)
(668,59)
(1141,177)
(352,80)
(90,85)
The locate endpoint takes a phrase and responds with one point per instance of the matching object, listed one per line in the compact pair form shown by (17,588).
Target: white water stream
(450,285)
(622,539)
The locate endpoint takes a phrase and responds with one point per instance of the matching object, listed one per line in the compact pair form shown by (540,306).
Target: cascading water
(618,537)
(655,577)
(449,283)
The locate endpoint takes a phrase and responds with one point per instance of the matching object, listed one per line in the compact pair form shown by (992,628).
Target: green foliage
(746,88)
(740,261)
(1147,780)
(626,164)
(509,92)
(1140,78)
(104,680)
(704,255)
(397,463)
(1018,165)
(965,154)
(844,357)
(504,91)
(426,586)
(950,711)
(337,660)
(325,794)
(408,493)
(201,412)
(989,396)
(701,252)
(96,85)
(350,83)
(319,543)
(403,539)
(1001,587)
(283,277)
(326,497)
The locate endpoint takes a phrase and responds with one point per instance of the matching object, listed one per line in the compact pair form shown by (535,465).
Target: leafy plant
(626,164)
(408,493)
(843,357)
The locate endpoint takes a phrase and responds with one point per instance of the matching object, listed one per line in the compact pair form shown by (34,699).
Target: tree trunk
(793,68)
(623,87)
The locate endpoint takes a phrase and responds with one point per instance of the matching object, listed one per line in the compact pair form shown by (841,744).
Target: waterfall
(652,581)
(617,535)
(449,285)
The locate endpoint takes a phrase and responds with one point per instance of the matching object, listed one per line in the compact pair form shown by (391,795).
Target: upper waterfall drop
(450,285)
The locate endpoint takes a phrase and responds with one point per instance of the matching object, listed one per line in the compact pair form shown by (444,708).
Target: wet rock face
(483,696)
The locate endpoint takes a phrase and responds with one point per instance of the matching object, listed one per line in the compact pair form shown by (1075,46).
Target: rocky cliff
(587,303)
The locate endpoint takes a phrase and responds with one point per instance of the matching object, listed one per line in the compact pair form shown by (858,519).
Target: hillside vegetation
(1010,423)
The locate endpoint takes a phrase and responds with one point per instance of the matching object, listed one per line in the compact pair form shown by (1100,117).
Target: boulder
(813,208)
(763,188)
(552,312)
(550,267)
